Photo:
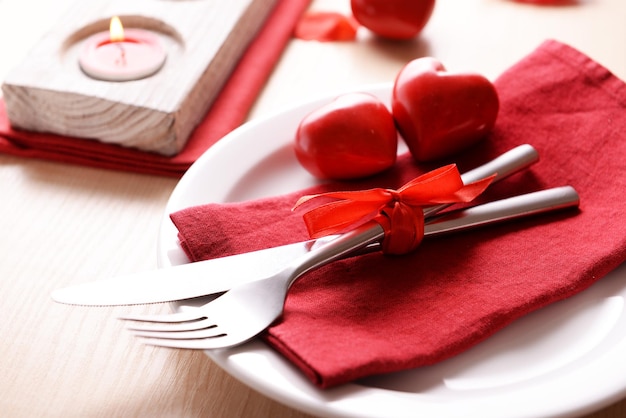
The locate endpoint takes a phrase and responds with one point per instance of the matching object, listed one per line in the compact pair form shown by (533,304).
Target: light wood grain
(65,224)
(48,92)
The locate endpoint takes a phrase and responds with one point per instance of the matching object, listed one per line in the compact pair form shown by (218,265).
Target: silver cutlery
(220,274)
(247,309)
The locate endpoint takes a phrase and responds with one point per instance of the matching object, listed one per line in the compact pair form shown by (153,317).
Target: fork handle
(503,166)
(357,241)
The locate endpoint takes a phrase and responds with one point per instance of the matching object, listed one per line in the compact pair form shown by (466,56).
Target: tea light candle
(122,55)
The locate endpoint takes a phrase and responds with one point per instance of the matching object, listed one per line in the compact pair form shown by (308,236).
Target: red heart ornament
(351,137)
(393,19)
(440,113)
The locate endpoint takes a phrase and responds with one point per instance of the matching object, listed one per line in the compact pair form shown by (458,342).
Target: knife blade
(218,275)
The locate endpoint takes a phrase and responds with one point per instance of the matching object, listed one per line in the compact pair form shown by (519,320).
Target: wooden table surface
(62,225)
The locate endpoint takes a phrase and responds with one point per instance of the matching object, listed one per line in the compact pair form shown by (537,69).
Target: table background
(61,225)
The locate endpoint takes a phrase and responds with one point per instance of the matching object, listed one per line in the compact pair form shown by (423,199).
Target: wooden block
(204,39)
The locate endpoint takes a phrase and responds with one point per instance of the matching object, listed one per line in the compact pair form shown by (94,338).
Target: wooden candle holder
(204,39)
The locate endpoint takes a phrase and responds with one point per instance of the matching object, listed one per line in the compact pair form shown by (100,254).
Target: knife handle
(503,210)
(368,237)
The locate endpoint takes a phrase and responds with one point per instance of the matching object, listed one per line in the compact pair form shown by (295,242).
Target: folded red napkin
(376,314)
(227,113)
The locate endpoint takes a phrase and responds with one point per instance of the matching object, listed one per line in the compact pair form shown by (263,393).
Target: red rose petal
(326,27)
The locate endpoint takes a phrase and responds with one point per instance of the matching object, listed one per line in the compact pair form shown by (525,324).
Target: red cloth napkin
(376,314)
(228,112)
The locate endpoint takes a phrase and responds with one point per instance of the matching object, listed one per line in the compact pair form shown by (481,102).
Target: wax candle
(122,55)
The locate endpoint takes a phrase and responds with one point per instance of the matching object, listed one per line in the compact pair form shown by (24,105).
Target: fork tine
(196,344)
(211,332)
(172,326)
(191,315)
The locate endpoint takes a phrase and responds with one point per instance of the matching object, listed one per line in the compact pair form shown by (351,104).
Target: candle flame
(116,30)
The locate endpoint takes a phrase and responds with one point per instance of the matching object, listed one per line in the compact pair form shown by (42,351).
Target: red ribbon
(399,212)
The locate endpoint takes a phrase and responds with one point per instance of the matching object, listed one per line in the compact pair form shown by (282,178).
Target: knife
(218,275)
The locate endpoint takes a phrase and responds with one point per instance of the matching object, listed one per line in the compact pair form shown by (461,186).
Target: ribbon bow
(399,212)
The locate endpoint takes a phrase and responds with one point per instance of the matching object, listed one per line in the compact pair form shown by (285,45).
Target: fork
(245,311)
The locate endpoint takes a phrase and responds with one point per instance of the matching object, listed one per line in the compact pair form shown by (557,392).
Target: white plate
(568,359)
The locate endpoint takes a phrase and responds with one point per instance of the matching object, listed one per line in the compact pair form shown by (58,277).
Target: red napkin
(377,314)
(228,112)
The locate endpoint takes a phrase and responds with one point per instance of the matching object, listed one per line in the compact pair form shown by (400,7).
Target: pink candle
(122,55)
